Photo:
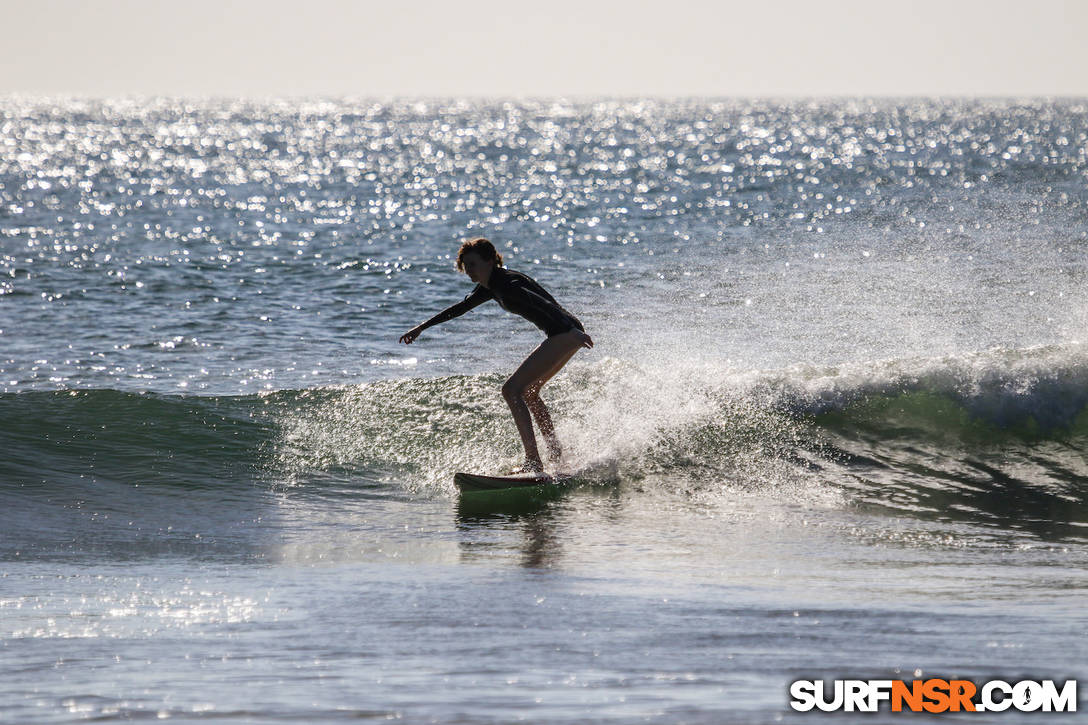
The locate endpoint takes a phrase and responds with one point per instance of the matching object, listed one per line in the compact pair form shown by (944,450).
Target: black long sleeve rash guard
(518,293)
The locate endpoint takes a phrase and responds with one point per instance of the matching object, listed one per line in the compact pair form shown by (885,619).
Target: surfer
(518,293)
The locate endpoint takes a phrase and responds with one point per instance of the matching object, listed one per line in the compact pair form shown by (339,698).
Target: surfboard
(472,482)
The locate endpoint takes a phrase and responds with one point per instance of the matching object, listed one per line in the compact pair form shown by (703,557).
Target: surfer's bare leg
(540,411)
(522,390)
(543,421)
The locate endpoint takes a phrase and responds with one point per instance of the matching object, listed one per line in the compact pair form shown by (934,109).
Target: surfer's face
(478,270)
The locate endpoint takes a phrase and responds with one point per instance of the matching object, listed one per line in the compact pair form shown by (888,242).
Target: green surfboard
(475,482)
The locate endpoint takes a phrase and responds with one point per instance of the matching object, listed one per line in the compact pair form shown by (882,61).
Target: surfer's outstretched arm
(478,297)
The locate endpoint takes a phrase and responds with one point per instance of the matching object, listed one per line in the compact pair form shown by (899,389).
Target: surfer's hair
(480,246)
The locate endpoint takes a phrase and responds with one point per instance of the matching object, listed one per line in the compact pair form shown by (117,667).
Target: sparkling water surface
(834,424)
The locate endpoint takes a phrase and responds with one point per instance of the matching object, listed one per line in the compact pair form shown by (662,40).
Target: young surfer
(518,293)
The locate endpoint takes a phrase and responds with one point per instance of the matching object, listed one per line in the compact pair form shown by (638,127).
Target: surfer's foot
(529,467)
(555,452)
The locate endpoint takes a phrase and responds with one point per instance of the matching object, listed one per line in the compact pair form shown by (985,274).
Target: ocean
(835,424)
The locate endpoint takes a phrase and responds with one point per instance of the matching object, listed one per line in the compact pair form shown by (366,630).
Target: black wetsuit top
(518,293)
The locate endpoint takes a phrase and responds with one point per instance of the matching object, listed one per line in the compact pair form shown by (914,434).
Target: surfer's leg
(540,411)
(544,422)
(524,424)
(541,365)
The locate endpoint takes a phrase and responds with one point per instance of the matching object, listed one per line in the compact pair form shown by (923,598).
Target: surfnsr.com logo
(933,695)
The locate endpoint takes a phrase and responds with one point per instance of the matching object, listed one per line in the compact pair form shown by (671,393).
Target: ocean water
(835,423)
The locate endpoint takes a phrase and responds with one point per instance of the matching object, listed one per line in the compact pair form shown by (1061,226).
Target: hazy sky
(544,48)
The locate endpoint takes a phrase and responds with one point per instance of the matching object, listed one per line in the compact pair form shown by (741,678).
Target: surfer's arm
(477,298)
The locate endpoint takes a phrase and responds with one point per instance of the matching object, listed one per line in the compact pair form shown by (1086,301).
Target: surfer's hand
(411,335)
(587,341)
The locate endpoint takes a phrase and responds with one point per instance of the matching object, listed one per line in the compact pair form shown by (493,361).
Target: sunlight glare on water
(834,423)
